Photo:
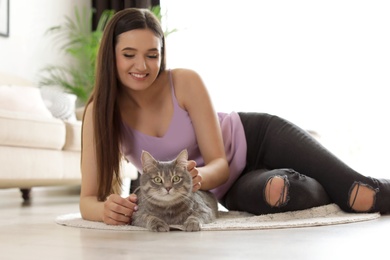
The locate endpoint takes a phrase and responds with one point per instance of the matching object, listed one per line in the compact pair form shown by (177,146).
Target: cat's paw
(158,226)
(192,225)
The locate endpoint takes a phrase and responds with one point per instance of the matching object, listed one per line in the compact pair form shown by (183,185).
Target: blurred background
(324,65)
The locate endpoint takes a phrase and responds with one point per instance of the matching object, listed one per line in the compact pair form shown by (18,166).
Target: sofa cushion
(73,136)
(25,167)
(61,105)
(29,130)
(23,99)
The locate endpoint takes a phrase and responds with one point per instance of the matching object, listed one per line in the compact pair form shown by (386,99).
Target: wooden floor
(29,232)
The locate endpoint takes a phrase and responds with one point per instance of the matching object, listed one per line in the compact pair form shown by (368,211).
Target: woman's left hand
(196,177)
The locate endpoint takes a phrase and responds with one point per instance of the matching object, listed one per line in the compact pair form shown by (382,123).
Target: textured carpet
(233,220)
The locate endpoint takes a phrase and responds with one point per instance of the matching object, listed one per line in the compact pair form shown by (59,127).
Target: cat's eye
(157,180)
(176,179)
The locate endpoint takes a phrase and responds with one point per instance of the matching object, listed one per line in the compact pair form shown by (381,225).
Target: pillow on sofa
(23,99)
(61,105)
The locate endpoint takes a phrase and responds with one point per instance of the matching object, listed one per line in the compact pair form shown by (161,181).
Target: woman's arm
(115,210)
(193,96)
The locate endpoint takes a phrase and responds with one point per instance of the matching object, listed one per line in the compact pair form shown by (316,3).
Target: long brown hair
(106,117)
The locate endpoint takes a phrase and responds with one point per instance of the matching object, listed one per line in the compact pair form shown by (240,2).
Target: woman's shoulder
(89,108)
(183,74)
(88,113)
(186,79)
(188,86)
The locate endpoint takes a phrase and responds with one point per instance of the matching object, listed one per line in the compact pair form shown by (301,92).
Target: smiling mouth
(138,75)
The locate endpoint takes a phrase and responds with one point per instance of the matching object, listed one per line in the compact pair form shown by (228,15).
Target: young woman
(253,162)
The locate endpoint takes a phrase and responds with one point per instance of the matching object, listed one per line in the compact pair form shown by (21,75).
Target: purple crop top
(181,135)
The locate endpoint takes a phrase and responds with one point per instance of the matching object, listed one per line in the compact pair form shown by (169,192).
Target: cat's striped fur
(165,197)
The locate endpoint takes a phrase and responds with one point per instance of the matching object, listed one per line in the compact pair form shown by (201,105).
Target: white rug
(233,220)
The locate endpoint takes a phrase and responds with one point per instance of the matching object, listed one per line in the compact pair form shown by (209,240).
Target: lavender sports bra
(181,135)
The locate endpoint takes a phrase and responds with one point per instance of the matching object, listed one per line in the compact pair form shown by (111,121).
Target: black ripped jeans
(313,175)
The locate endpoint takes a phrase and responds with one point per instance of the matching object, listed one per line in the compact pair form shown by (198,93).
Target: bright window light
(324,65)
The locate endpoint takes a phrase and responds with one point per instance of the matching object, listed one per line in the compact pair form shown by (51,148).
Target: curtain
(100,5)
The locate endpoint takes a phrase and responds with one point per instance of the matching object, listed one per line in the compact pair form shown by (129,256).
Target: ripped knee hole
(276,190)
(362,197)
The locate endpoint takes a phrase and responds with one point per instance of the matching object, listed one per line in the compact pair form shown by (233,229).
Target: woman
(252,162)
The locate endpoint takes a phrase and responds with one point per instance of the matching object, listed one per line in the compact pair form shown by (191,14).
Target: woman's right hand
(118,210)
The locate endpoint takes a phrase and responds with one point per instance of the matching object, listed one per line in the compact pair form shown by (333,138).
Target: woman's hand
(196,177)
(118,210)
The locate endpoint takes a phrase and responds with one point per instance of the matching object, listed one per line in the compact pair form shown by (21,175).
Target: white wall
(324,65)
(27,50)
(321,64)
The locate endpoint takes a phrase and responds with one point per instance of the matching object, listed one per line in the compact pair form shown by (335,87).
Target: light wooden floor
(29,232)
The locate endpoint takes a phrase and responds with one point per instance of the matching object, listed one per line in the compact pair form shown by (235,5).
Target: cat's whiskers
(186,197)
(166,196)
(152,199)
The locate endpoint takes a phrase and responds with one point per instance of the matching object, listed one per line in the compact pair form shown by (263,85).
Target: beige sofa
(36,149)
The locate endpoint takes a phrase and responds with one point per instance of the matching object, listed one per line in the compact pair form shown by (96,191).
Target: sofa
(36,148)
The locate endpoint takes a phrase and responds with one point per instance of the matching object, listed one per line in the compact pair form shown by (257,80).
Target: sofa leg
(26,194)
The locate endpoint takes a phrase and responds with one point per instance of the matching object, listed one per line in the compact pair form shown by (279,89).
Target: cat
(165,197)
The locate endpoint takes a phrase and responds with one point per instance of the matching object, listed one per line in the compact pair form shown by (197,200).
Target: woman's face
(138,58)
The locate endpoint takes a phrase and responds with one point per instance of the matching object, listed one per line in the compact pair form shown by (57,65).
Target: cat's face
(165,181)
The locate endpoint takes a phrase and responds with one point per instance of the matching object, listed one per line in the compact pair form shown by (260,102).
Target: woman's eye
(176,179)
(129,55)
(157,180)
(154,56)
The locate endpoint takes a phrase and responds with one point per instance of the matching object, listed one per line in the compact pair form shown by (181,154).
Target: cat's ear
(182,158)
(147,161)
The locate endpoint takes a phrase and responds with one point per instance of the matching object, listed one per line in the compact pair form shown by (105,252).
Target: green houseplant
(156,10)
(80,43)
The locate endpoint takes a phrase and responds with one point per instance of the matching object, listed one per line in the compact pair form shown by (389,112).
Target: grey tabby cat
(165,197)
